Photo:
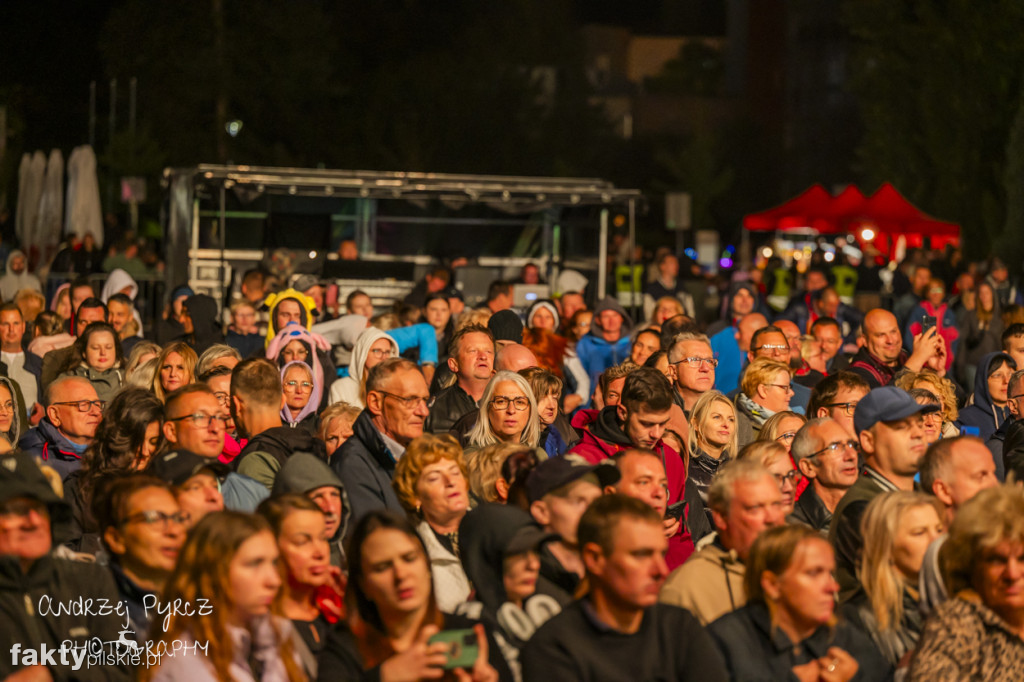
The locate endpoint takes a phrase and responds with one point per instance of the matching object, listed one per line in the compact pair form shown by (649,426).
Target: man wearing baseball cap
(559,490)
(195,481)
(890,429)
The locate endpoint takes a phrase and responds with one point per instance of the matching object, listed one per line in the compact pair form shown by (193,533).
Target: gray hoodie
(302,473)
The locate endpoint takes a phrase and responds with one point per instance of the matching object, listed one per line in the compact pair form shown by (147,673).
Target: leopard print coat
(966,641)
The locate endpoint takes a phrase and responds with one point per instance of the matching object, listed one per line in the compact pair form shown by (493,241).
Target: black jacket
(754,651)
(670,645)
(811,511)
(266,453)
(342,658)
(448,407)
(365,466)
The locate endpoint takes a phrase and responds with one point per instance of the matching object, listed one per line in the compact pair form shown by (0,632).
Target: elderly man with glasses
(73,411)
(396,410)
(827,457)
(693,366)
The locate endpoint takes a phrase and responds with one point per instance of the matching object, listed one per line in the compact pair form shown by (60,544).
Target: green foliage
(937,83)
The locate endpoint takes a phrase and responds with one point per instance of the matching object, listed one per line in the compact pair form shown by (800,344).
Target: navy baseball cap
(887,404)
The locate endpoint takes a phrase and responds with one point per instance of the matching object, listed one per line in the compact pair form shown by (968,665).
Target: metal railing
(149,301)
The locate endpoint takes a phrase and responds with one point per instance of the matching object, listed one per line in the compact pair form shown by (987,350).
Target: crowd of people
(810,486)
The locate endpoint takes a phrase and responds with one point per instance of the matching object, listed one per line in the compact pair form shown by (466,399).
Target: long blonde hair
(700,413)
(877,572)
(202,573)
(188,358)
(482,435)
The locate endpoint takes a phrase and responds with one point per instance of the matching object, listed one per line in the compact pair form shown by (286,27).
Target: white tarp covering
(30,188)
(83,204)
(43,241)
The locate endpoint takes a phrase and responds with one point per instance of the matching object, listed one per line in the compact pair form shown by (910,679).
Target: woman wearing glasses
(944,390)
(143,529)
(508,414)
(765,389)
(898,527)
(432,484)
(371,348)
(774,457)
(302,394)
(782,427)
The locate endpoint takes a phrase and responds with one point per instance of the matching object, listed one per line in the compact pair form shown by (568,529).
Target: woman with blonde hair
(175,367)
(897,528)
(774,457)
(766,388)
(712,440)
(229,562)
(432,485)
(782,427)
(942,388)
(508,413)
(788,629)
(336,425)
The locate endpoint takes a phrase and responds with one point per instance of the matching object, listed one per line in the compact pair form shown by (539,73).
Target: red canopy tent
(887,213)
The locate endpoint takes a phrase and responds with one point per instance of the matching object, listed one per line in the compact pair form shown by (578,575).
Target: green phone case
(463,647)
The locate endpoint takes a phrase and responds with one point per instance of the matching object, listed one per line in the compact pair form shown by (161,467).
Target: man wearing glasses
(836,397)
(890,430)
(396,409)
(73,411)
(826,455)
(693,365)
(771,342)
(195,422)
(31,572)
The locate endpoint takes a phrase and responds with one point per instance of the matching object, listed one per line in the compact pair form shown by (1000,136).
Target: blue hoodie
(983,414)
(595,354)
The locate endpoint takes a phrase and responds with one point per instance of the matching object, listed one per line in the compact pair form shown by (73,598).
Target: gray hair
(213,354)
(723,486)
(685,336)
(806,441)
(482,435)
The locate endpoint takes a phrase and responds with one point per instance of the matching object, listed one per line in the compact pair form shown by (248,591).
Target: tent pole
(602,255)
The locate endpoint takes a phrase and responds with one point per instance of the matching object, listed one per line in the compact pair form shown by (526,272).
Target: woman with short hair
(766,388)
(977,634)
(432,485)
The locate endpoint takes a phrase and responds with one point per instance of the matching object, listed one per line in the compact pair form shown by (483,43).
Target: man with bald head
(730,347)
(882,355)
(514,357)
(73,411)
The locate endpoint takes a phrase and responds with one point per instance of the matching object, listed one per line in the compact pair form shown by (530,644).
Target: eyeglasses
(792,476)
(788,388)
(501,402)
(21,508)
(836,447)
(410,402)
(222,397)
(151,517)
(84,405)
(697,362)
(200,420)
(7,406)
(773,348)
(380,352)
(295,384)
(788,435)
(848,408)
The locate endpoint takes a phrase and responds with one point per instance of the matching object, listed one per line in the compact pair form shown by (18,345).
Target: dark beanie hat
(506,326)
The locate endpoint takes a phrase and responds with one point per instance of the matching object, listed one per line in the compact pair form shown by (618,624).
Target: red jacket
(596,449)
